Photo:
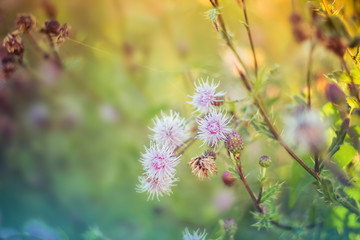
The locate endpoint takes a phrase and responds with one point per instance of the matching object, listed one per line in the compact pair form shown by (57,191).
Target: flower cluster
(159,160)
(169,134)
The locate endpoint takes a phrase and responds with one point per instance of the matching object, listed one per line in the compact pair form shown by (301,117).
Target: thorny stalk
(249,35)
(258,201)
(258,104)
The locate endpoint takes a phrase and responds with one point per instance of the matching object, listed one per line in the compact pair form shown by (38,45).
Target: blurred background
(71,137)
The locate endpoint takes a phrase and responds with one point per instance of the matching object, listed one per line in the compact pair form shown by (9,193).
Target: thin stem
(317,163)
(36,45)
(257,203)
(56,55)
(251,193)
(250,37)
(308,74)
(191,141)
(226,34)
(273,130)
(328,11)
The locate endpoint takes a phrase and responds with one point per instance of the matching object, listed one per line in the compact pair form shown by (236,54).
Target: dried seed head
(218,101)
(52,27)
(334,94)
(228,178)
(265,161)
(230,226)
(25,22)
(63,34)
(202,166)
(336,45)
(234,143)
(13,44)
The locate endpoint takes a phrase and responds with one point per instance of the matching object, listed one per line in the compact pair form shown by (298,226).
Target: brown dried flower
(13,43)
(25,22)
(63,34)
(204,165)
(51,27)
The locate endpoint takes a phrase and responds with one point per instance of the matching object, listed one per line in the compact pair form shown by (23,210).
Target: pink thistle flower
(213,127)
(195,236)
(205,96)
(159,162)
(155,187)
(169,130)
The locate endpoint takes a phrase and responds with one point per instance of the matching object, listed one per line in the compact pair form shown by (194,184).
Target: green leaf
(345,154)
(300,100)
(270,192)
(327,190)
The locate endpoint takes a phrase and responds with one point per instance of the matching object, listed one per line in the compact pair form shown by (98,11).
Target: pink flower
(159,161)
(195,236)
(155,187)
(169,130)
(213,127)
(205,95)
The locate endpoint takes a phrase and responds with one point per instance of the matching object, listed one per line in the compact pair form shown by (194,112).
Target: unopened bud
(234,143)
(218,101)
(334,94)
(228,178)
(265,161)
(230,226)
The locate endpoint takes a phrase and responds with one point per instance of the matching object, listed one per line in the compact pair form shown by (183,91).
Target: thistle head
(265,161)
(204,165)
(234,143)
(25,22)
(14,44)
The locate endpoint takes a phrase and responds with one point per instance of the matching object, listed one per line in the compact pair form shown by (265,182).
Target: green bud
(265,161)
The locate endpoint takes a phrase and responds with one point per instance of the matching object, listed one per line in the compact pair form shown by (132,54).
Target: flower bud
(228,178)
(230,226)
(334,94)
(234,143)
(265,161)
(218,101)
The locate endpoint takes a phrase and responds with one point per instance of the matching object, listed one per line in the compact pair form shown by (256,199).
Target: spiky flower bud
(228,178)
(25,22)
(234,143)
(265,161)
(230,226)
(218,101)
(334,94)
